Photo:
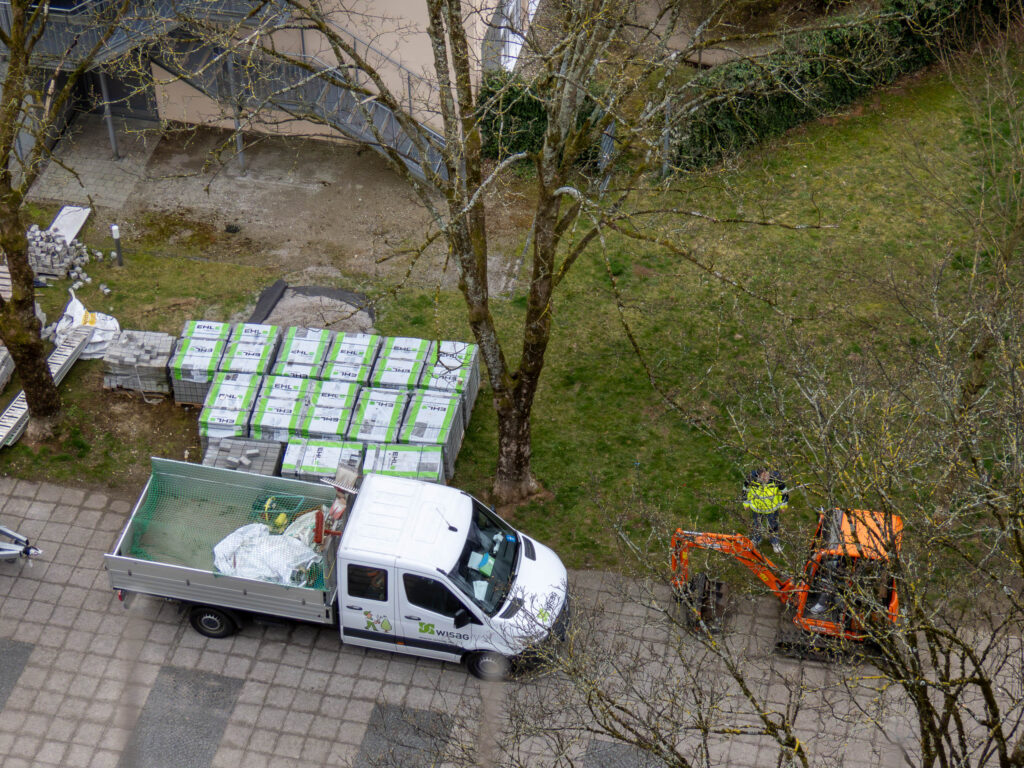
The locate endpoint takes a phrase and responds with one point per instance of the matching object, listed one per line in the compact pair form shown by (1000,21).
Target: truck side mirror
(462,617)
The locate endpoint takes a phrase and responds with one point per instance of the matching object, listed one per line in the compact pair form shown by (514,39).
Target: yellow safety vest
(764,499)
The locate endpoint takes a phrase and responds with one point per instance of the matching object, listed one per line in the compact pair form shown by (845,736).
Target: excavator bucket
(704,600)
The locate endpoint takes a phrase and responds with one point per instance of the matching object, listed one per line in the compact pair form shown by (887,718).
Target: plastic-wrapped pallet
(455,369)
(433,418)
(406,348)
(194,367)
(357,374)
(396,373)
(242,357)
(206,329)
(320,459)
(137,360)
(290,388)
(422,462)
(356,349)
(256,333)
(334,394)
(302,352)
(217,423)
(233,391)
(260,456)
(378,416)
(324,423)
(6,367)
(276,420)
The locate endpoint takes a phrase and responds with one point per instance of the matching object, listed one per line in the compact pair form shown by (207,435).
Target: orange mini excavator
(847,584)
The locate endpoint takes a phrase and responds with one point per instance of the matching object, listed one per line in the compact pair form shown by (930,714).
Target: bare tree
(44,58)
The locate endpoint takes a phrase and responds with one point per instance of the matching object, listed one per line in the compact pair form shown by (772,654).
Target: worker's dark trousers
(763,521)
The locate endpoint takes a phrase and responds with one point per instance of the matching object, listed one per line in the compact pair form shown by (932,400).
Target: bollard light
(116,234)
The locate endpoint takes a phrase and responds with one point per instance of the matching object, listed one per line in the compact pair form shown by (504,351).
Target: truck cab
(428,570)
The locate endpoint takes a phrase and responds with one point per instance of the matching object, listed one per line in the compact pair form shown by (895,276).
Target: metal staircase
(257,82)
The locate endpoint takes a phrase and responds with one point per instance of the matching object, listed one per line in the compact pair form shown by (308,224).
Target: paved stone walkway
(99,178)
(87,683)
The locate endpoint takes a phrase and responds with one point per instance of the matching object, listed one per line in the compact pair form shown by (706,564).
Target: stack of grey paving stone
(228,406)
(378,414)
(252,349)
(197,359)
(455,369)
(302,352)
(6,367)
(421,462)
(138,360)
(314,459)
(435,418)
(351,358)
(262,457)
(50,255)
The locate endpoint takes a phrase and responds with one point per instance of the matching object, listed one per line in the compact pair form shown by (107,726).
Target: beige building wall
(390,34)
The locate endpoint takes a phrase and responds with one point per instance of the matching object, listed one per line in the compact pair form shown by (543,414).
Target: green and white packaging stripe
(256,333)
(313,459)
(296,370)
(354,349)
(407,348)
(196,359)
(396,373)
(292,458)
(327,423)
(378,416)
(276,419)
(235,397)
(307,346)
(357,374)
(248,358)
(223,422)
(290,388)
(334,394)
(422,462)
(206,329)
(435,419)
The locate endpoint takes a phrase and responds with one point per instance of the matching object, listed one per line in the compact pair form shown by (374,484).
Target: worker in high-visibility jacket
(765,495)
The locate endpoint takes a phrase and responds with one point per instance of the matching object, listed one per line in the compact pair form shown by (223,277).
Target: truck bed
(166,548)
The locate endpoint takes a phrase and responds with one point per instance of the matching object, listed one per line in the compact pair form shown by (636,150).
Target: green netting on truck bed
(186,513)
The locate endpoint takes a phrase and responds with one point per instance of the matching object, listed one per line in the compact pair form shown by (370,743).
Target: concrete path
(87,683)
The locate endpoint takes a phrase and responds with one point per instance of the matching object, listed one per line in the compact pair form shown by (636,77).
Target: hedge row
(741,103)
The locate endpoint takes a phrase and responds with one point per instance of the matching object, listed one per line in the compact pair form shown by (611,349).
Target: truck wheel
(487,665)
(212,622)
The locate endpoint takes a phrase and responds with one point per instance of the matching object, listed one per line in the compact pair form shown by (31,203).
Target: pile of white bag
(255,552)
(105,328)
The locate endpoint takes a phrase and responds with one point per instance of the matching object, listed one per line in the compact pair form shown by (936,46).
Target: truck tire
(488,665)
(212,622)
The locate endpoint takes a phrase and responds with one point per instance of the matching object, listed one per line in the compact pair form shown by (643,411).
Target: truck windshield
(486,568)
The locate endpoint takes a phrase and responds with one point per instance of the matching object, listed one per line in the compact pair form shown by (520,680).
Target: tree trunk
(19,326)
(513,480)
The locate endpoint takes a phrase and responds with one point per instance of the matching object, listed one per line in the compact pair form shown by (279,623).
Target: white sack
(253,552)
(105,328)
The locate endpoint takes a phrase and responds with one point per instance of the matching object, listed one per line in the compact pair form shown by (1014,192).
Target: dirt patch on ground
(300,205)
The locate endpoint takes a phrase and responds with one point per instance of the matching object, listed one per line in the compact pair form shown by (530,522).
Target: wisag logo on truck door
(429,629)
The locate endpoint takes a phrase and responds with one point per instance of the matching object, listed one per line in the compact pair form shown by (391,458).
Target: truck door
(434,622)
(367,602)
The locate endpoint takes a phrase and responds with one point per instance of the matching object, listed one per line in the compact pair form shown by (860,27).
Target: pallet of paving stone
(206,329)
(256,333)
(420,462)
(313,459)
(138,361)
(356,349)
(276,419)
(217,423)
(406,348)
(334,394)
(194,367)
(356,374)
(293,389)
(233,391)
(325,423)
(378,415)
(52,255)
(14,418)
(302,352)
(244,357)
(396,373)
(262,457)
(455,369)
(433,418)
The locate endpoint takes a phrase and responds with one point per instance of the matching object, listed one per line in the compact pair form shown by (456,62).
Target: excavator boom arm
(735,545)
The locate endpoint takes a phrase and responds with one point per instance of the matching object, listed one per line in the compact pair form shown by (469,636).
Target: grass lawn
(606,446)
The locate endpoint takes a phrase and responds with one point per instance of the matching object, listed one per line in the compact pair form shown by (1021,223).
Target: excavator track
(704,601)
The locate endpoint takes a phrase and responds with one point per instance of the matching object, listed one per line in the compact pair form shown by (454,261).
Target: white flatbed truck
(404,565)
